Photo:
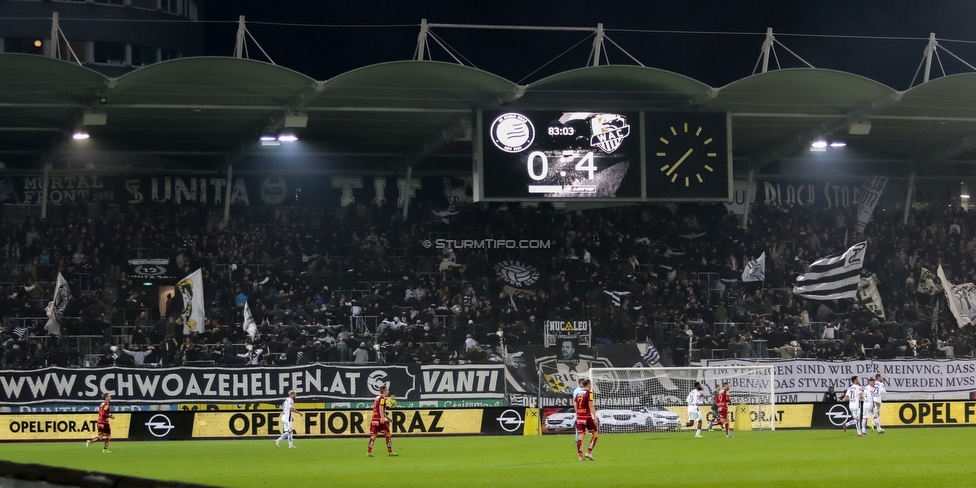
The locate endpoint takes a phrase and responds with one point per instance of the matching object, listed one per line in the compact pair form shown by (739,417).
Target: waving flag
(191,290)
(961,298)
(755,270)
(250,327)
(835,276)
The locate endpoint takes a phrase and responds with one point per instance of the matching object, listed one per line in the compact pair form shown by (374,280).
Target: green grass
(798,458)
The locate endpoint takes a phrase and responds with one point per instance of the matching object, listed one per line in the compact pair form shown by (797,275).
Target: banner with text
(202,385)
(251,190)
(806,380)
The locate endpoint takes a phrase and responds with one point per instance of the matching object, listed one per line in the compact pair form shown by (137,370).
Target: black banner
(314,382)
(503,421)
(160,426)
(251,190)
(558,379)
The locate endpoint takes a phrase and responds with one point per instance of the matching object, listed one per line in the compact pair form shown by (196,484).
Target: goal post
(653,399)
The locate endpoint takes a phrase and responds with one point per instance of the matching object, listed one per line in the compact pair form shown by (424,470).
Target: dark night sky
(323,52)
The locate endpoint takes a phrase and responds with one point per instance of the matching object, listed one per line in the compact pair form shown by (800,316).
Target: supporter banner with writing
(806,380)
(250,190)
(867,199)
(537,377)
(314,382)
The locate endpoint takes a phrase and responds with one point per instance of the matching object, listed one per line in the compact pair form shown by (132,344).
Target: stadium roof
(198,113)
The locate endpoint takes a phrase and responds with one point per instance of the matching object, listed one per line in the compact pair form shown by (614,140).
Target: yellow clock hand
(679,162)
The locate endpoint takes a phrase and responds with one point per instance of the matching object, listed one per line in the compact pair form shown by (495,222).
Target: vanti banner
(806,380)
(314,382)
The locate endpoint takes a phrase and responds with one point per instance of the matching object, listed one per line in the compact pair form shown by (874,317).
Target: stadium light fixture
(838,144)
(269,140)
(80,135)
(287,137)
(818,146)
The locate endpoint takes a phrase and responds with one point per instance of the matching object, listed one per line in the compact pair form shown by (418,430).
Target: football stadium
(600,264)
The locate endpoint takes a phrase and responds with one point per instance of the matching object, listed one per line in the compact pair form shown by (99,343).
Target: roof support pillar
(908,197)
(766,47)
(929,54)
(239,45)
(750,194)
(230,183)
(421,41)
(597,44)
(406,195)
(44,187)
(54,48)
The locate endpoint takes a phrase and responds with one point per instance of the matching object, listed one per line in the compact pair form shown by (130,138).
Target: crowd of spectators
(314,280)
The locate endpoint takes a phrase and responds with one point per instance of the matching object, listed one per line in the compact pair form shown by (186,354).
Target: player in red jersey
(104,429)
(380,423)
(723,400)
(585,420)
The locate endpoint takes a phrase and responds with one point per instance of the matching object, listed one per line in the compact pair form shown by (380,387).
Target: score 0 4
(585,163)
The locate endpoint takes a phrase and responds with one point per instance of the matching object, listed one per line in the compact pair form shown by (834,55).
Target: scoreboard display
(555,155)
(549,155)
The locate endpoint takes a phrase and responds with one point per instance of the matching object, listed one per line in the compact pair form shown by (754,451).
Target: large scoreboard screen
(559,155)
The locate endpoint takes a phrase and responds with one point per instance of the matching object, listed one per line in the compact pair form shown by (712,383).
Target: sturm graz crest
(517,273)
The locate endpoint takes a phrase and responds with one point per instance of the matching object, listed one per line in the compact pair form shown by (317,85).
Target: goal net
(654,399)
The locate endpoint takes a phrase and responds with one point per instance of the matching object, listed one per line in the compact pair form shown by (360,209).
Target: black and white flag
(20,331)
(250,327)
(961,298)
(651,356)
(616,296)
(755,270)
(835,276)
(56,307)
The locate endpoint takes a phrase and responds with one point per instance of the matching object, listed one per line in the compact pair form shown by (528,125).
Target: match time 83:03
(561,131)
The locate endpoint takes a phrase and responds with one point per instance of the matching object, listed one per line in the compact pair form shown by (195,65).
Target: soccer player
(694,414)
(380,423)
(853,397)
(579,389)
(287,409)
(880,390)
(585,421)
(723,400)
(867,406)
(104,429)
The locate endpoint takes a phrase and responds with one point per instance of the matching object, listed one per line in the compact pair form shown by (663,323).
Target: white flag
(867,199)
(250,327)
(755,270)
(961,298)
(191,290)
(835,276)
(56,307)
(867,294)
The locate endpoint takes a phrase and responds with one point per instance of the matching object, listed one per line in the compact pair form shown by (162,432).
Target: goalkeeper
(715,408)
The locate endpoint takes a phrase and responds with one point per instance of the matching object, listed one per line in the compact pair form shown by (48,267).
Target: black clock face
(687,156)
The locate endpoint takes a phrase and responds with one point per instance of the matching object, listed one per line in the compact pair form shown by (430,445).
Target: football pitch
(799,458)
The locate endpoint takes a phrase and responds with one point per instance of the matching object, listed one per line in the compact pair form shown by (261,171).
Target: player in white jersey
(853,396)
(578,391)
(287,409)
(694,414)
(880,390)
(867,406)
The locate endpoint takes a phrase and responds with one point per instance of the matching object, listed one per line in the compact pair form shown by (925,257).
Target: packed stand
(360,284)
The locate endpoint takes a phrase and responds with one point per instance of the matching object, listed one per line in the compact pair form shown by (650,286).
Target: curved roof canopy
(202,112)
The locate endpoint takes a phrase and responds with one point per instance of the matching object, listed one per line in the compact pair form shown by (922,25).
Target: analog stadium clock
(687,156)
